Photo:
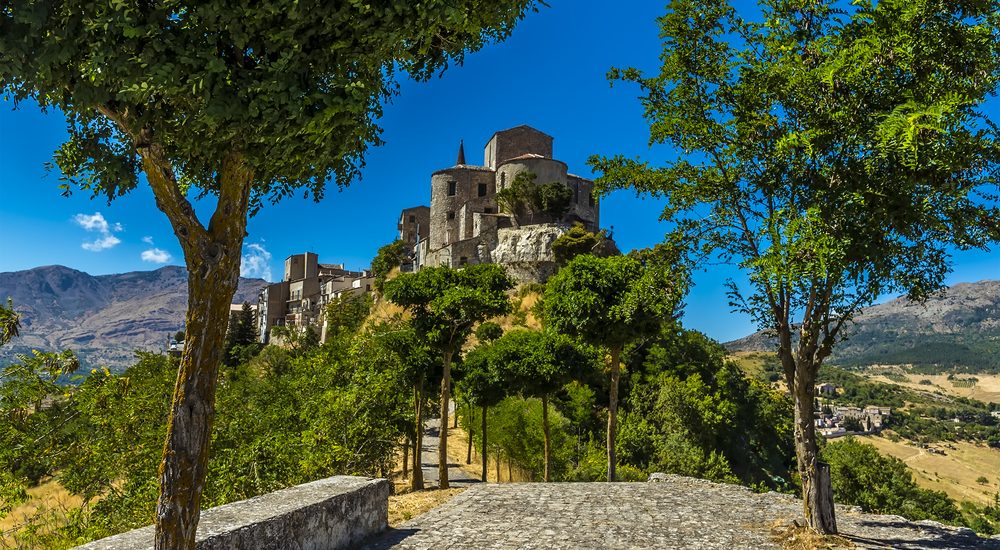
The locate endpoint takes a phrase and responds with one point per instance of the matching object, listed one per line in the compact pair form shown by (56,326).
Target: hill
(957,329)
(103,318)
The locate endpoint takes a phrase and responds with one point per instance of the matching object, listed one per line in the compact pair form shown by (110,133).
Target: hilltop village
(476,215)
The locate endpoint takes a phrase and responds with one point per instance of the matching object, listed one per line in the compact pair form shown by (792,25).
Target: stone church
(465,224)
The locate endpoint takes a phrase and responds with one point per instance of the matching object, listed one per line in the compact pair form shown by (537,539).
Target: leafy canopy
(446,303)
(294,87)
(610,301)
(834,152)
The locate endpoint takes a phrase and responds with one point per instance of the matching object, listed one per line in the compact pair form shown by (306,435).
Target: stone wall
(514,142)
(337,512)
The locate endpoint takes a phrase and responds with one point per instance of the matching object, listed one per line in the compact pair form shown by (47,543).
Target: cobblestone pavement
(457,477)
(678,512)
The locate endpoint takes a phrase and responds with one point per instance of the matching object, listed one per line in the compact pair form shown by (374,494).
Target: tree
(488,331)
(346,313)
(10,322)
(241,336)
(540,363)
(389,257)
(833,153)
(610,302)
(883,484)
(446,303)
(525,199)
(395,343)
(484,382)
(242,103)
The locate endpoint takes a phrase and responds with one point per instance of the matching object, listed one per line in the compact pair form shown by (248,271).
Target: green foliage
(835,153)
(389,257)
(241,337)
(540,363)
(609,302)
(488,331)
(533,203)
(10,322)
(347,313)
(446,303)
(574,242)
(514,425)
(702,417)
(883,485)
(281,419)
(554,200)
(295,88)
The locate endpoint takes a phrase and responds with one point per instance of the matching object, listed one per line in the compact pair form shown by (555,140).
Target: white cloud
(97,223)
(155,255)
(104,243)
(147,239)
(256,262)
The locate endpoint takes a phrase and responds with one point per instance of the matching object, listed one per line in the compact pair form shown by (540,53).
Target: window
(482,189)
(503,179)
(451,214)
(488,210)
(452,188)
(591,200)
(463,260)
(412,218)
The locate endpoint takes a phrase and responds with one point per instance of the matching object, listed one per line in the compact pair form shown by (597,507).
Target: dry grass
(406,506)
(954,472)
(49,495)
(987,389)
(791,535)
(458,442)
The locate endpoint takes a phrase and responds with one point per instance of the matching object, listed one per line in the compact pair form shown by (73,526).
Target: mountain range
(958,328)
(103,318)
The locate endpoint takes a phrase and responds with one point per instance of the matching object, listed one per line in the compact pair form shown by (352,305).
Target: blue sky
(550,74)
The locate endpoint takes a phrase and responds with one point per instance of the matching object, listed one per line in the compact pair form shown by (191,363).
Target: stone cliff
(526,251)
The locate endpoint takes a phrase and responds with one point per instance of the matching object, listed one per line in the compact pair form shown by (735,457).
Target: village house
(826,389)
(301,296)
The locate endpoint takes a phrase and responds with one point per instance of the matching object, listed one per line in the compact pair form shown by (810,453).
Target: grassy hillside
(955,472)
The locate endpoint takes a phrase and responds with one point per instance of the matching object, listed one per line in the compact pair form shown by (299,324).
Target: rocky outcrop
(103,318)
(526,251)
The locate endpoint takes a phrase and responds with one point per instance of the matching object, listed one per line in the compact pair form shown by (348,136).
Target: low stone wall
(337,512)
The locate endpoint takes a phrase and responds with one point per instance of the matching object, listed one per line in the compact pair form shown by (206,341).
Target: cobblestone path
(457,477)
(678,512)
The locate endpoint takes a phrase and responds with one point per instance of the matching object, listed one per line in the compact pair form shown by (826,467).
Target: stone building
(298,300)
(465,224)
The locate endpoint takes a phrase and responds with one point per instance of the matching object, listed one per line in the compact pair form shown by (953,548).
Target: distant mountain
(103,318)
(959,328)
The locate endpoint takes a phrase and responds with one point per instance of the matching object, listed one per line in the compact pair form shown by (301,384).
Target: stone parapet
(336,512)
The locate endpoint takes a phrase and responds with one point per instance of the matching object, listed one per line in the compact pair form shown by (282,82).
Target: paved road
(457,477)
(676,513)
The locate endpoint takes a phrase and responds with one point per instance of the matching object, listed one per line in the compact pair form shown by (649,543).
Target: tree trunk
(417,480)
(455,422)
(485,454)
(613,411)
(468,435)
(212,256)
(545,432)
(510,469)
(406,453)
(817,492)
(499,457)
(443,441)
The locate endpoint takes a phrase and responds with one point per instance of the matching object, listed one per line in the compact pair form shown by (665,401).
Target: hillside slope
(958,328)
(102,318)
